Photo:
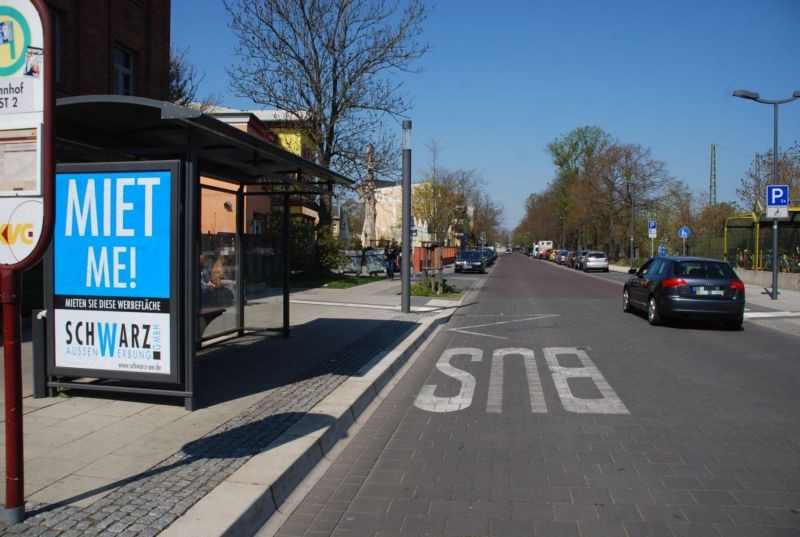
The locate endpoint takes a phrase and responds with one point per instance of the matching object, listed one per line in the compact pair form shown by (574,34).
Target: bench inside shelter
(204,318)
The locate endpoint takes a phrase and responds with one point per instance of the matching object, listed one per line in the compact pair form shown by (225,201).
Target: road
(543,409)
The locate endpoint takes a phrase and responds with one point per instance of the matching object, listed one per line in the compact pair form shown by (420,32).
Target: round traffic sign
(684,232)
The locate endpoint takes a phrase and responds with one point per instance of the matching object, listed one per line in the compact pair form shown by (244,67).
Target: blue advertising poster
(112,259)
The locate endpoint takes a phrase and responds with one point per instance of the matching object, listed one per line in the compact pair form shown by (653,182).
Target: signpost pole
(775,220)
(774,259)
(24,206)
(15,493)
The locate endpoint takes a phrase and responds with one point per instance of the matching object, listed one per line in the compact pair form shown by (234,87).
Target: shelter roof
(115,127)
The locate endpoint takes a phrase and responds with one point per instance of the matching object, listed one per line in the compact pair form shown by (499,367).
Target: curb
(246,500)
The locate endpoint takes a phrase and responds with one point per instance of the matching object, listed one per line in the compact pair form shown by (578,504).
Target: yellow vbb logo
(15,233)
(15,38)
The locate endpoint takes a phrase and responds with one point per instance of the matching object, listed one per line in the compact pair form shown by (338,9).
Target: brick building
(111,47)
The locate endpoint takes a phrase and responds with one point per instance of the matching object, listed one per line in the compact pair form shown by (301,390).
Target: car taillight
(673,282)
(739,286)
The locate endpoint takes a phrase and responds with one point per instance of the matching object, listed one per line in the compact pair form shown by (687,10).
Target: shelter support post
(191,302)
(240,281)
(286,272)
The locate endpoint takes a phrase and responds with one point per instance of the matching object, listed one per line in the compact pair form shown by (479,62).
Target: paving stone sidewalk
(145,504)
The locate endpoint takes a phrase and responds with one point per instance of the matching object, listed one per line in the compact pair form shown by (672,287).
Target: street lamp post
(630,197)
(754,96)
(408,250)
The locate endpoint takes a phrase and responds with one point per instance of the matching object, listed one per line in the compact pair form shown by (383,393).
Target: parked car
(470,261)
(595,261)
(490,255)
(686,288)
(572,258)
(579,259)
(561,256)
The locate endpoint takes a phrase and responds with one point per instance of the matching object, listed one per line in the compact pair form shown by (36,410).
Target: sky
(504,78)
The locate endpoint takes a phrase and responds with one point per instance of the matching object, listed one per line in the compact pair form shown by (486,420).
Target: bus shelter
(748,240)
(168,222)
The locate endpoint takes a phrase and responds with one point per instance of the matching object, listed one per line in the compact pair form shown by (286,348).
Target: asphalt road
(543,409)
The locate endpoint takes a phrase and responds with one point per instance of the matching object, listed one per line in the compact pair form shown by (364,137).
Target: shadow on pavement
(229,444)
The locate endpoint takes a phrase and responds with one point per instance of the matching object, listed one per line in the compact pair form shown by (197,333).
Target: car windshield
(704,269)
(470,256)
(599,255)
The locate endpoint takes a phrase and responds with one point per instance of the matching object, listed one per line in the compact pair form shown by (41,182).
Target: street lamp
(405,260)
(630,197)
(754,96)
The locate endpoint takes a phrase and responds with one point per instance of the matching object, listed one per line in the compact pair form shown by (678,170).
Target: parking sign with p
(777,201)
(777,195)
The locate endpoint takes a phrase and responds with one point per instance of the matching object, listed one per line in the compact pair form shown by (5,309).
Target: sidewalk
(270,409)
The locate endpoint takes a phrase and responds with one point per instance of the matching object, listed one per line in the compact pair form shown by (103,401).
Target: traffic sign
(777,195)
(662,249)
(778,212)
(651,229)
(684,232)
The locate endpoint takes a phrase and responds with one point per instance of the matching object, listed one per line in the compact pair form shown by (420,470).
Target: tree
(331,64)
(754,183)
(184,81)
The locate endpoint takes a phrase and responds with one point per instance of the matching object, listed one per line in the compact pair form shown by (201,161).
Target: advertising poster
(113,266)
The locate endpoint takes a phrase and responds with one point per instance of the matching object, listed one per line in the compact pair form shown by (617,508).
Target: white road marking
(465,329)
(610,403)
(494,403)
(426,400)
(770,314)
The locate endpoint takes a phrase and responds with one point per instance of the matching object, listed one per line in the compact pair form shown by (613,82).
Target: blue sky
(506,77)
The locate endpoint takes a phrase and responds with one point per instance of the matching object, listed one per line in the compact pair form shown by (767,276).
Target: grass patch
(330,280)
(428,288)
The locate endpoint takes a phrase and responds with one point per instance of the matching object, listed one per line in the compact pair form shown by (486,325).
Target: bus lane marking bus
(608,402)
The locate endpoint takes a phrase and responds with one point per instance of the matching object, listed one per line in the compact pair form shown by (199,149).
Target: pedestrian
(390,259)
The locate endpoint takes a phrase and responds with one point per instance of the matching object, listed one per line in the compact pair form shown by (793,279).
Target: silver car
(595,261)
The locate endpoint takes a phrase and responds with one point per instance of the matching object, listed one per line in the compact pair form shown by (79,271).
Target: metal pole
(630,196)
(405,261)
(775,220)
(15,492)
(286,268)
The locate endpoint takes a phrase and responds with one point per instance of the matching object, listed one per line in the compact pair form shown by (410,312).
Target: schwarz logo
(16,233)
(120,340)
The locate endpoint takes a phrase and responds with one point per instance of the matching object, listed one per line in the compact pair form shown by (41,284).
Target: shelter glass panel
(219,271)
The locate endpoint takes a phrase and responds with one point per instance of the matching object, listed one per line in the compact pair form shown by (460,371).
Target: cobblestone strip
(149,502)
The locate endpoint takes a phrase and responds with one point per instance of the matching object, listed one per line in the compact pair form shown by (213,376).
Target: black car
(472,260)
(489,255)
(686,288)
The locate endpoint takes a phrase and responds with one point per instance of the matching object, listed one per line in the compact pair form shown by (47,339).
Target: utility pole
(712,187)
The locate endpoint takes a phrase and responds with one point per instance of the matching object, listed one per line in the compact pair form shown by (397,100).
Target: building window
(123,71)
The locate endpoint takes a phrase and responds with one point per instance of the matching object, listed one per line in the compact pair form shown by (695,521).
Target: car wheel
(626,302)
(605,270)
(735,324)
(652,312)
